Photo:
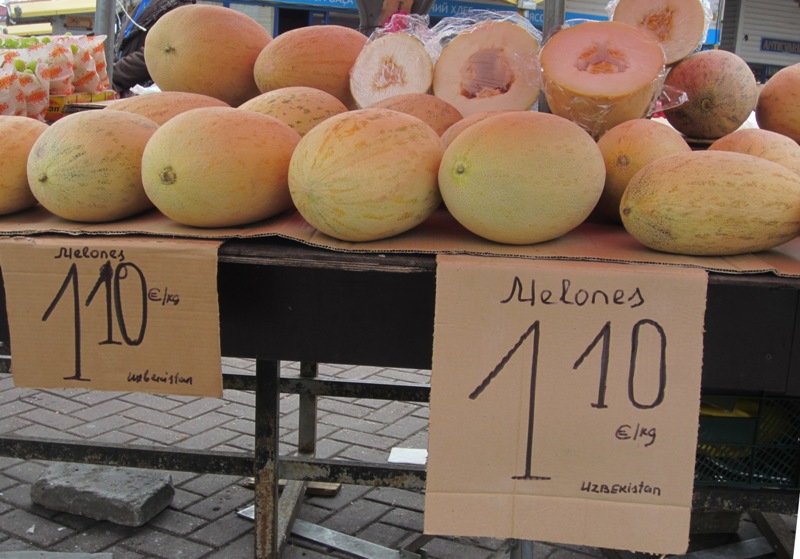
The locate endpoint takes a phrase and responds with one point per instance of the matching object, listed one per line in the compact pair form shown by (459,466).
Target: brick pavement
(202,521)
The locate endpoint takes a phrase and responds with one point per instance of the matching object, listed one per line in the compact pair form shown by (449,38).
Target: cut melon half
(392,64)
(601,73)
(679,25)
(489,66)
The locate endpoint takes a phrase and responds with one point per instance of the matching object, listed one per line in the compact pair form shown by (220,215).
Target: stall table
(281,300)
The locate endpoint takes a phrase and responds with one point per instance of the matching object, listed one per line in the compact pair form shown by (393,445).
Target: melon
(219,167)
(601,73)
(391,64)
(436,113)
(626,148)
(488,66)
(762,143)
(679,25)
(712,203)
(206,49)
(87,166)
(319,56)
(459,126)
(299,106)
(366,174)
(721,93)
(160,106)
(778,105)
(17,135)
(521,177)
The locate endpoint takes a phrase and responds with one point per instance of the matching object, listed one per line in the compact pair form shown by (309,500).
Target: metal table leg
(266,459)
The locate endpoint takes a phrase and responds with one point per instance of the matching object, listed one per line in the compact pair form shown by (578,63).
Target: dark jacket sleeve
(130,70)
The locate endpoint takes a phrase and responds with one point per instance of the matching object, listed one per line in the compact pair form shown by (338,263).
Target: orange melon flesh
(679,25)
(392,64)
(489,66)
(601,73)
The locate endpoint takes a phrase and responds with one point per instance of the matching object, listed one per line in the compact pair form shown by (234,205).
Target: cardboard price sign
(124,314)
(565,400)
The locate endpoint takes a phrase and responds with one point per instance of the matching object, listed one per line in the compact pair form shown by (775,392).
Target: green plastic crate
(749,442)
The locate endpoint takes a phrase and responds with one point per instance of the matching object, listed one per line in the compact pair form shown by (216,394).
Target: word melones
(90,253)
(567,295)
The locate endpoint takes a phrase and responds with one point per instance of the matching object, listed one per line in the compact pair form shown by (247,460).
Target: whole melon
(299,106)
(206,49)
(319,56)
(160,106)
(762,143)
(679,25)
(778,105)
(459,126)
(712,203)
(626,148)
(17,135)
(87,166)
(601,73)
(436,113)
(219,167)
(490,65)
(389,65)
(366,174)
(521,177)
(721,94)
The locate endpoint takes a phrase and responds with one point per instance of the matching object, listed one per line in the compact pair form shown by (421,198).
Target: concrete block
(126,496)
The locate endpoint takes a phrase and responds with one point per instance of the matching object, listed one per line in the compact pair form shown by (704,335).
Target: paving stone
(360,438)
(33,528)
(124,496)
(208,484)
(356,516)
(97,538)
(108,408)
(397,498)
(176,522)
(223,531)
(152,401)
(52,555)
(166,546)
(221,503)
(243,547)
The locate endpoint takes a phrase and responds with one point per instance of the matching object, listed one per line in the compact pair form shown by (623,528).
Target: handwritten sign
(565,402)
(125,314)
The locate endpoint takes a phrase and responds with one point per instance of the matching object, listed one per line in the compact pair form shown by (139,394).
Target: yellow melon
(521,177)
(762,143)
(219,167)
(366,174)
(17,135)
(488,66)
(160,106)
(206,49)
(319,56)
(679,25)
(712,203)
(601,73)
(778,105)
(300,107)
(436,113)
(87,166)
(459,126)
(626,148)
(389,65)
(721,94)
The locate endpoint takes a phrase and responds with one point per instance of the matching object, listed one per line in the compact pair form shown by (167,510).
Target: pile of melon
(367,137)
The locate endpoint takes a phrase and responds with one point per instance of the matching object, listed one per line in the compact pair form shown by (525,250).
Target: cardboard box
(59,102)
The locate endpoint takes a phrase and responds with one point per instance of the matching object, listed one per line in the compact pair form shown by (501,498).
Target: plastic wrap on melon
(681,26)
(488,60)
(396,59)
(601,73)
